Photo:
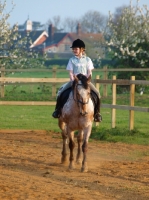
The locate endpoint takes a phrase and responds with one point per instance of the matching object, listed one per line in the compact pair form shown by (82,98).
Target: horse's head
(81,92)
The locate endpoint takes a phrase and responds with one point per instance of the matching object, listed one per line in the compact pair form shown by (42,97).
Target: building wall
(65,45)
(62,47)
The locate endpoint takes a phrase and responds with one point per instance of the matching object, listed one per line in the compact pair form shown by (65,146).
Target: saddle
(96,101)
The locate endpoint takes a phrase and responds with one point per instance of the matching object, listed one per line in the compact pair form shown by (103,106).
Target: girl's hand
(89,72)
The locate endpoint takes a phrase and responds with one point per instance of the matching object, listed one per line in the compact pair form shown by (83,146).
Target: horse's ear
(89,79)
(75,78)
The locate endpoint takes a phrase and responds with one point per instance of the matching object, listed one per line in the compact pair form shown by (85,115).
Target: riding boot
(97,115)
(57,112)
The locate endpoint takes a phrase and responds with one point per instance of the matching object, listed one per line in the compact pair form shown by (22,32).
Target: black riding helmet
(78,44)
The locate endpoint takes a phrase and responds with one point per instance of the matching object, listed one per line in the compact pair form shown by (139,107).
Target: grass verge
(120,135)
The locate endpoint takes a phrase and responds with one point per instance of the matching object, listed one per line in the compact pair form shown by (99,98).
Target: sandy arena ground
(30,169)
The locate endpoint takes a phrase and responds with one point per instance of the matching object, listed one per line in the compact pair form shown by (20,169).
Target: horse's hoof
(71,167)
(64,163)
(78,161)
(84,169)
(63,160)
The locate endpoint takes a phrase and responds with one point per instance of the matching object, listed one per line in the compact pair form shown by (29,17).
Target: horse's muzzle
(83,113)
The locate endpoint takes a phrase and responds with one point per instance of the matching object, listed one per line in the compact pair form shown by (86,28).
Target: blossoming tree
(14,50)
(127,38)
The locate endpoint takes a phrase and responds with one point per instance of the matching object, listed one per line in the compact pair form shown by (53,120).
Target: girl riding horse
(79,63)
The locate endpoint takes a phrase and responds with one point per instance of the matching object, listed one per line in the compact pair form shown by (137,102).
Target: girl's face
(77,51)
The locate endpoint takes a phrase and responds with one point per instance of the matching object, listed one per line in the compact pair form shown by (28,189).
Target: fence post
(113,115)
(2,83)
(53,84)
(132,99)
(97,85)
(54,69)
(105,78)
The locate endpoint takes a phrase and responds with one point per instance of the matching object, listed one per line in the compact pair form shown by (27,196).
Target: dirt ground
(30,169)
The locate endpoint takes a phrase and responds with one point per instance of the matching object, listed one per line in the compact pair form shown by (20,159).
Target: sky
(43,10)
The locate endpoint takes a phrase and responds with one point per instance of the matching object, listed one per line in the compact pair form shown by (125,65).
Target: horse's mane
(83,80)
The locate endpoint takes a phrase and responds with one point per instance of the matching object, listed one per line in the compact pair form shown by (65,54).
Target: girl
(79,63)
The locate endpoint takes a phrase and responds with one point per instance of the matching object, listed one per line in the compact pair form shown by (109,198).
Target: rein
(77,100)
(78,95)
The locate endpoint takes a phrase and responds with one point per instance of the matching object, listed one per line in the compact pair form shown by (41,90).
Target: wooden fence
(54,72)
(114,82)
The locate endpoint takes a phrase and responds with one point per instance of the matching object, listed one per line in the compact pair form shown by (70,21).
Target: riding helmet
(78,44)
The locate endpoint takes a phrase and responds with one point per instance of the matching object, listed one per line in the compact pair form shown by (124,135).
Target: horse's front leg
(84,167)
(71,148)
(87,132)
(79,140)
(63,127)
(64,149)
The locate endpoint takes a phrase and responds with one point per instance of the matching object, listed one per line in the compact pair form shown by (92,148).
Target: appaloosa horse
(77,114)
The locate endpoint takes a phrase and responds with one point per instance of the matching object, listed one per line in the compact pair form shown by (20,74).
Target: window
(67,47)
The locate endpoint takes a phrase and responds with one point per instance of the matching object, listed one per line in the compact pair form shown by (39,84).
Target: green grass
(27,117)
(39,117)
(38,92)
(120,135)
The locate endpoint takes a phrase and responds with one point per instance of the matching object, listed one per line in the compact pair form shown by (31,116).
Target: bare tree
(56,21)
(70,24)
(93,22)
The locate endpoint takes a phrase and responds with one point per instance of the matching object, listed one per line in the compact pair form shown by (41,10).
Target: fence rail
(53,103)
(7,80)
(63,70)
(34,80)
(123,107)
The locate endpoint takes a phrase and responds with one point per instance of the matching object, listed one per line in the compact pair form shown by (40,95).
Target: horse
(77,115)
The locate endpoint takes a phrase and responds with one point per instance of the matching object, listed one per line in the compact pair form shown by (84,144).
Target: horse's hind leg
(79,140)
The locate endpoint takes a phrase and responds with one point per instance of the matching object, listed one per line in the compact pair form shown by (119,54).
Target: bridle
(77,94)
(77,98)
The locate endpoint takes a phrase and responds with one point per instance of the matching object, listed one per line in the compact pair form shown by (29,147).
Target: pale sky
(42,10)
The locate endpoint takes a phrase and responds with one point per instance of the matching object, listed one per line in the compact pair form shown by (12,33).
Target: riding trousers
(69,84)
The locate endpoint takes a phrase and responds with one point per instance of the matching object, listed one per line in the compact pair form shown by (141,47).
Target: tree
(70,24)
(93,22)
(14,49)
(128,37)
(56,22)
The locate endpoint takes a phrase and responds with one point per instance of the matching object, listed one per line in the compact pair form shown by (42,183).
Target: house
(35,33)
(56,43)
(60,43)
